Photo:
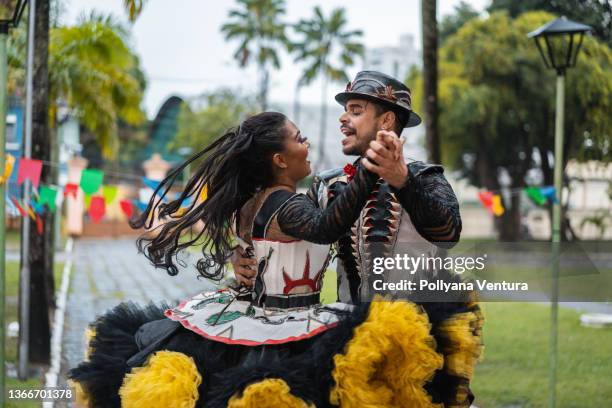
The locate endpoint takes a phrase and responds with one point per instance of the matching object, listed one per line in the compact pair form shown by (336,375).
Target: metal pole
(3,75)
(556,239)
(24,278)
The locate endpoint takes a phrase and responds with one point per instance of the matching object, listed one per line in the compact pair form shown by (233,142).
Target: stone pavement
(107,272)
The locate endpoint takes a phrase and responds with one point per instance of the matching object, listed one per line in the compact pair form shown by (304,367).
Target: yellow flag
(8,168)
(497,206)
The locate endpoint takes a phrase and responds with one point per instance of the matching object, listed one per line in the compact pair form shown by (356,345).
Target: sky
(184,53)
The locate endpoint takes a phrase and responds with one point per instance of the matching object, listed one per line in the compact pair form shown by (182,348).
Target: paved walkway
(108,272)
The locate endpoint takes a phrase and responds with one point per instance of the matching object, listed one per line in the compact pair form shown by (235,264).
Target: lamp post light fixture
(559,43)
(10,14)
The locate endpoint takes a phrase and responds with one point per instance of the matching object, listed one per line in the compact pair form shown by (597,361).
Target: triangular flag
(71,189)
(8,168)
(37,207)
(496,205)
(152,184)
(550,193)
(141,206)
(47,195)
(204,193)
(19,207)
(31,211)
(97,208)
(109,193)
(486,198)
(29,169)
(91,180)
(535,194)
(39,225)
(127,208)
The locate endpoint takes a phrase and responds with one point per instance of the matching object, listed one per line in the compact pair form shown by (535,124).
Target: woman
(275,344)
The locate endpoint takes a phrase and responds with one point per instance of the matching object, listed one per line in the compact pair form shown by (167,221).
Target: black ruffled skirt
(384,354)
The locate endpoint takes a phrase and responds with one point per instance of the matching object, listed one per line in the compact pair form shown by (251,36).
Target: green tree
(93,70)
(596,13)
(208,117)
(497,106)
(451,23)
(327,48)
(257,25)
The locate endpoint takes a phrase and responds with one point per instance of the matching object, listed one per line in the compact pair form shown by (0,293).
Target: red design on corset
(313,284)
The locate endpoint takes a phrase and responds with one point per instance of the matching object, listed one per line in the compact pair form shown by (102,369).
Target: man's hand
(244,274)
(386,152)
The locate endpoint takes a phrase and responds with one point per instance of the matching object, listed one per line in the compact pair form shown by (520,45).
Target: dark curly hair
(233,168)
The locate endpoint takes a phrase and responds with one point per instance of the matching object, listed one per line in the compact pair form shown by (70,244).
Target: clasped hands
(385,157)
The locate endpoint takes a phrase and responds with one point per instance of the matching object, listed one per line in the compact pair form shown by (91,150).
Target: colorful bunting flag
(486,198)
(39,225)
(97,208)
(19,207)
(127,208)
(204,193)
(496,205)
(31,211)
(550,193)
(535,194)
(140,205)
(29,169)
(152,184)
(109,193)
(91,180)
(47,195)
(71,189)
(8,168)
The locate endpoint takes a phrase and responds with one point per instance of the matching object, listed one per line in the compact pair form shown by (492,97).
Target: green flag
(91,180)
(109,193)
(47,195)
(535,194)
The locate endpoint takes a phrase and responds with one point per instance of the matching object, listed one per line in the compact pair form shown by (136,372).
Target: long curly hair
(233,168)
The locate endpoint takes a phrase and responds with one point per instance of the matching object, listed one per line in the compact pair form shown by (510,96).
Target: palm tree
(93,69)
(134,8)
(256,24)
(325,41)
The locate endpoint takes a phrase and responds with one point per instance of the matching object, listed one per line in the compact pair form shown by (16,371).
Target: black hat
(383,89)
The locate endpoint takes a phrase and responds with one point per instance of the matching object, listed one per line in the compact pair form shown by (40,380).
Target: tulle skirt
(383,354)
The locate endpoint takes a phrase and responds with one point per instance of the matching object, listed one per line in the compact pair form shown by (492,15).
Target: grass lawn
(11,314)
(514,370)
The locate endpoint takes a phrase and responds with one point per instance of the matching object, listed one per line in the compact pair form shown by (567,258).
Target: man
(413,204)
(413,211)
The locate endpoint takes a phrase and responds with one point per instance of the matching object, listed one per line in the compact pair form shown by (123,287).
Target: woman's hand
(242,267)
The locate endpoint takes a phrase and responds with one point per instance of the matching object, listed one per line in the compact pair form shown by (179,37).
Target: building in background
(394,60)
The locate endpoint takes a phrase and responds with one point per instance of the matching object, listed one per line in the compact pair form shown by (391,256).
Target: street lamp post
(10,13)
(559,43)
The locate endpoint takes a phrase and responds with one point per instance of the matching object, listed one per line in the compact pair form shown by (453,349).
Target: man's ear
(389,120)
(279,161)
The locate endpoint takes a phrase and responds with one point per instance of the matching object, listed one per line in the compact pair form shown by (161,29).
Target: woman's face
(296,153)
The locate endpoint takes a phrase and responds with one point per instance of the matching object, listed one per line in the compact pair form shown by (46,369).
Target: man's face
(359,124)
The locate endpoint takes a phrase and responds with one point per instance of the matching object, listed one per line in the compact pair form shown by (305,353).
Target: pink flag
(127,208)
(97,208)
(29,169)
